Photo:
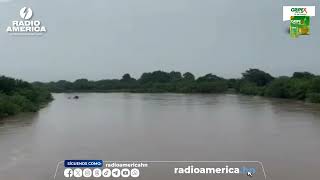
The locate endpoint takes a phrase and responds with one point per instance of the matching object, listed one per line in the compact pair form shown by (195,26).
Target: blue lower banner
(159,170)
(83,163)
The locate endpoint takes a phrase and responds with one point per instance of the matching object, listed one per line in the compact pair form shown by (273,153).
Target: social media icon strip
(77,172)
(125,173)
(135,173)
(97,172)
(68,173)
(106,172)
(87,172)
(116,173)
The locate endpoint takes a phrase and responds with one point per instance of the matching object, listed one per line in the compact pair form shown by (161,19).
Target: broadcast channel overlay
(299,17)
(159,90)
(99,169)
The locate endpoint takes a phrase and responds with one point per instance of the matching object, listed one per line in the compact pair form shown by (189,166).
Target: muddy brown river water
(283,134)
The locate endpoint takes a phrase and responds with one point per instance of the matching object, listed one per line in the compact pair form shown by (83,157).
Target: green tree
(155,77)
(7,85)
(188,76)
(313,94)
(279,88)
(260,78)
(315,85)
(250,88)
(82,84)
(209,78)
(127,78)
(175,76)
(304,75)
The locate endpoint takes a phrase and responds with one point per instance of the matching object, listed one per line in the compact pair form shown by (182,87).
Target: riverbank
(17,96)
(302,86)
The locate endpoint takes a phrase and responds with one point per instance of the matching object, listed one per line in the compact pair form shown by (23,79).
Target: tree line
(20,96)
(300,86)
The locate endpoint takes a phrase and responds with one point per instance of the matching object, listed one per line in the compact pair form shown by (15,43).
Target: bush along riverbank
(19,96)
(301,85)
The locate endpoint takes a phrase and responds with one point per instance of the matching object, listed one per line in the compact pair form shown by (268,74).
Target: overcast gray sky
(100,39)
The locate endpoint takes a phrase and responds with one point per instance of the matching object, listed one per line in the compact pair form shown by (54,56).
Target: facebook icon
(68,172)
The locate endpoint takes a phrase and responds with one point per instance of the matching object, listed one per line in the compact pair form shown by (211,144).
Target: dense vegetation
(157,81)
(20,96)
(301,86)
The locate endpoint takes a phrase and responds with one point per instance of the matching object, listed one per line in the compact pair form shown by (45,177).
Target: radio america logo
(26,26)
(25,13)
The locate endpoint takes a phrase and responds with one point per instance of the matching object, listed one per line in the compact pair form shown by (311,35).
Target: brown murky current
(283,134)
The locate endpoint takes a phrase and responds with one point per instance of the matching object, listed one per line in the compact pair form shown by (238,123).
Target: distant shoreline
(303,86)
(18,96)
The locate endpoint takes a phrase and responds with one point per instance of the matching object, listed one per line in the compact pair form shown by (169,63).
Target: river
(283,134)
